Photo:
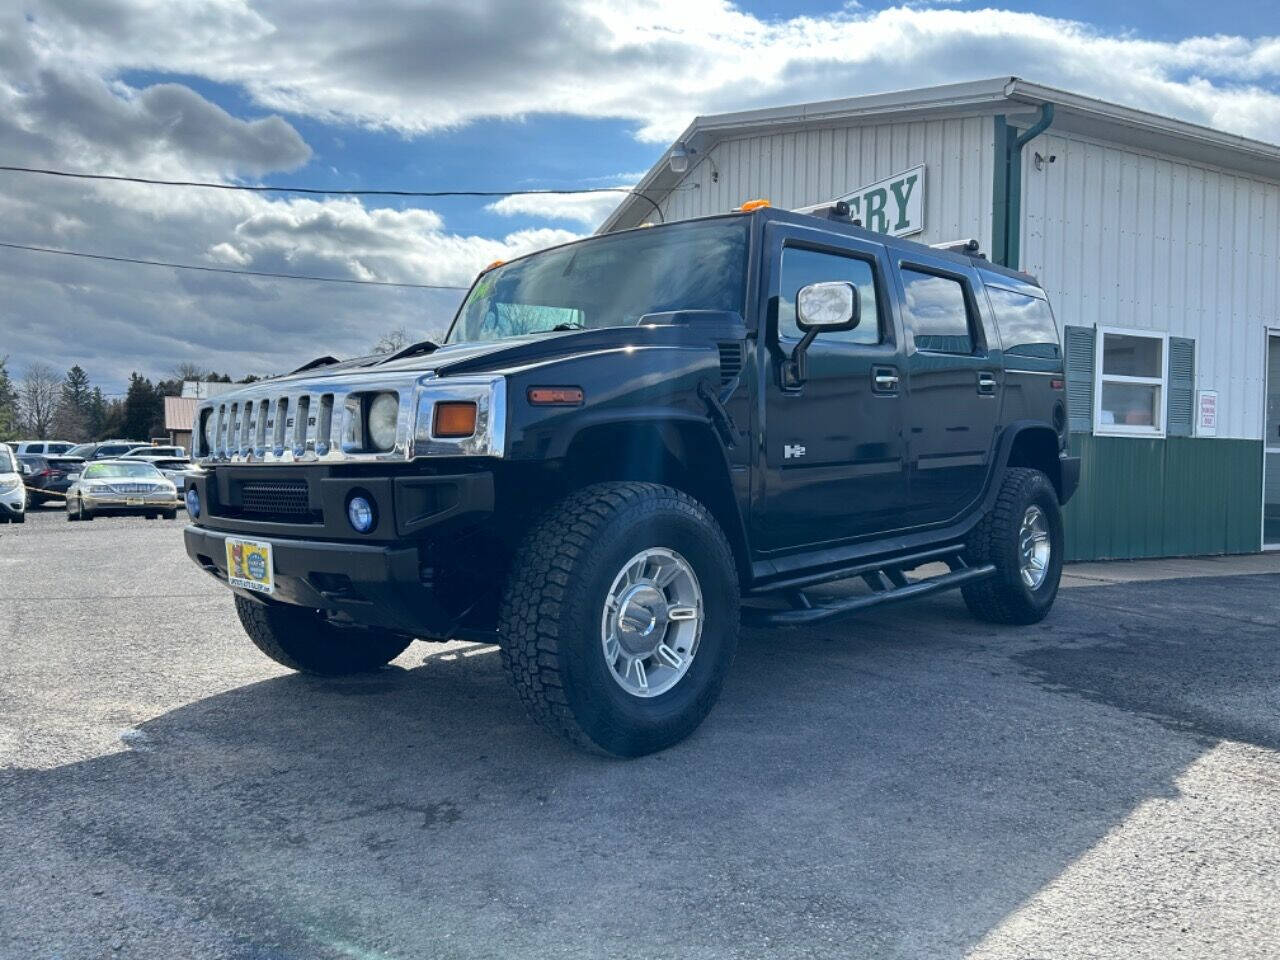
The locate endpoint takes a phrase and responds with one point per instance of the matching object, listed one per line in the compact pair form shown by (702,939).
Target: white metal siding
(797,169)
(1134,240)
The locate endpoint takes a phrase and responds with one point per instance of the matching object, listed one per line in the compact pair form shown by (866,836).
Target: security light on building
(1157,240)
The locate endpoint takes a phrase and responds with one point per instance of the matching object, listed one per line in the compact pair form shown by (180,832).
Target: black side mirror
(830,306)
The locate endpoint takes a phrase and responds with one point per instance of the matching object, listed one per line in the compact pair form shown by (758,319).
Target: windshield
(104,471)
(610,281)
(7,464)
(83,450)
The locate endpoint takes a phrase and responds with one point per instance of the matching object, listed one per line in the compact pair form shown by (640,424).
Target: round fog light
(360,513)
(193,504)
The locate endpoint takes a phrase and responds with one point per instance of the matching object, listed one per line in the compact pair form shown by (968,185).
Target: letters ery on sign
(894,205)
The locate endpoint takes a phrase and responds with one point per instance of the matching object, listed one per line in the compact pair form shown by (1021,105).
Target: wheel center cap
(642,613)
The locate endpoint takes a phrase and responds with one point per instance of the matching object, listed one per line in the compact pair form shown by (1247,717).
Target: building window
(1132,370)
(936,313)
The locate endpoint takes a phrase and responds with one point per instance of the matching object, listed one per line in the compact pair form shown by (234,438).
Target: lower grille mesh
(275,498)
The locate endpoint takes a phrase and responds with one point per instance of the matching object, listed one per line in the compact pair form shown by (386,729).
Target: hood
(688,328)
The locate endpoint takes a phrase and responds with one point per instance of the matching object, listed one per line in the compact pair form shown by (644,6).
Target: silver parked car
(175,469)
(121,487)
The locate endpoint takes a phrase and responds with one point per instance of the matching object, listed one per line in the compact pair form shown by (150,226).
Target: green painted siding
(1164,498)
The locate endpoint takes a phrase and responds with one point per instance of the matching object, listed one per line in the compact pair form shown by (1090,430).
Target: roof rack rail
(968,247)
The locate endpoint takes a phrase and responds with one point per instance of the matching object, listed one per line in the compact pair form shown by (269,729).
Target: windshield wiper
(564,327)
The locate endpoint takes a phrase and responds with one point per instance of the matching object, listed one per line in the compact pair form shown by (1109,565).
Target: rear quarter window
(1027,327)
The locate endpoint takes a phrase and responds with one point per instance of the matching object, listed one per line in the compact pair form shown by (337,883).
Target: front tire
(1022,536)
(302,640)
(620,618)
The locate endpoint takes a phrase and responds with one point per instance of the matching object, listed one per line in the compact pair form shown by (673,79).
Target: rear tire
(1025,583)
(171,514)
(642,550)
(20,518)
(302,640)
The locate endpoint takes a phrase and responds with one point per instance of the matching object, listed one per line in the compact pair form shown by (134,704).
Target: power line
(243,273)
(322,191)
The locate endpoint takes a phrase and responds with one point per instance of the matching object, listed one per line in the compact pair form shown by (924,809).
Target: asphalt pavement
(908,783)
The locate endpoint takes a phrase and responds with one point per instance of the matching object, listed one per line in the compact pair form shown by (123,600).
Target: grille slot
(730,361)
(282,500)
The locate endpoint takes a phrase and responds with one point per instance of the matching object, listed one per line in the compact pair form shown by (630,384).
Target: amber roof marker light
(555,396)
(750,205)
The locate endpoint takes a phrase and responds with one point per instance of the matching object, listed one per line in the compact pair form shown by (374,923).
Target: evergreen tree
(143,409)
(8,404)
(73,406)
(96,417)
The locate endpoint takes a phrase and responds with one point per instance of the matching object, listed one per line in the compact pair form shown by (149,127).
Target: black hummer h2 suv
(629,444)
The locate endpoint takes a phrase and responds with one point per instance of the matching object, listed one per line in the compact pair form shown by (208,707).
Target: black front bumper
(371,584)
(383,578)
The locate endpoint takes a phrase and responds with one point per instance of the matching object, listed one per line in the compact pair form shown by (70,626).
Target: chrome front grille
(321,419)
(136,487)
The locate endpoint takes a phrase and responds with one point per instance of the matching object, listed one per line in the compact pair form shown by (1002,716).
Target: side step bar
(888,585)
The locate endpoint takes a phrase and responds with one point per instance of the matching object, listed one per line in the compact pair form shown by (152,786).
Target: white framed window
(1131,375)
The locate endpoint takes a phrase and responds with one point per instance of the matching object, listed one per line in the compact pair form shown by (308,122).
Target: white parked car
(13,495)
(174,469)
(151,450)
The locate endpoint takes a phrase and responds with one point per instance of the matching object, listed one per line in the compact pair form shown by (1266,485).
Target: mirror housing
(831,306)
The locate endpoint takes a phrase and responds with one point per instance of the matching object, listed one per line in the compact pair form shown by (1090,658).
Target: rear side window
(1027,328)
(35,448)
(801,267)
(936,313)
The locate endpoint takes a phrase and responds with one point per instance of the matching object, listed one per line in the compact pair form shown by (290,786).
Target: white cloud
(399,65)
(589,209)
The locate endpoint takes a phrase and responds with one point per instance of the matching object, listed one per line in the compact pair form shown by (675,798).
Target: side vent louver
(730,361)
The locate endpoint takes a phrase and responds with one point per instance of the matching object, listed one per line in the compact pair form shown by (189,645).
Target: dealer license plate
(133,501)
(249,565)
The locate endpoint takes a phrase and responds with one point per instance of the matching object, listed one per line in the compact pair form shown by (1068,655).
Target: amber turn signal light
(454,419)
(556,396)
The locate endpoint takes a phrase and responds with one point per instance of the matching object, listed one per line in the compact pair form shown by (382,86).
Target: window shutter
(1181,409)
(1078,356)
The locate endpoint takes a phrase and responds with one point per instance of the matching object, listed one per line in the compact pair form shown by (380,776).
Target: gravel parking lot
(908,783)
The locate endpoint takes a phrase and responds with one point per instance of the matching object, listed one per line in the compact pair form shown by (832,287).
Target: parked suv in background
(54,447)
(152,450)
(105,449)
(48,477)
(623,438)
(13,494)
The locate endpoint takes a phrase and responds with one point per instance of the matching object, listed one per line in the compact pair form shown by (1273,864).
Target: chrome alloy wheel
(652,622)
(1034,547)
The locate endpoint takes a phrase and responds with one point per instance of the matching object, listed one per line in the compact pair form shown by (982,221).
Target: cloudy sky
(457,94)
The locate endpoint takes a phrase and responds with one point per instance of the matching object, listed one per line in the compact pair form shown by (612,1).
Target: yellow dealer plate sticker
(249,565)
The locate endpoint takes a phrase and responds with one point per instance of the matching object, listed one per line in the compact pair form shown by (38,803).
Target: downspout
(1006,212)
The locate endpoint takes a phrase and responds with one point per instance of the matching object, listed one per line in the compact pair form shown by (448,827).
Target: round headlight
(193,504)
(208,431)
(361,515)
(383,414)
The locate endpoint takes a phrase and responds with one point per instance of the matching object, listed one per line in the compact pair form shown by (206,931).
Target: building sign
(894,205)
(1207,404)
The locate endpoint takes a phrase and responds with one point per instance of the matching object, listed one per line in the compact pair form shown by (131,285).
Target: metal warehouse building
(1158,242)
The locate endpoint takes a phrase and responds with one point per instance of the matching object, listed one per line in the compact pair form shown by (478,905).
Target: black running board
(888,585)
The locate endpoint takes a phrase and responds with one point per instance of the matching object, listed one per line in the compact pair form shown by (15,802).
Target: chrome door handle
(884,380)
(986,383)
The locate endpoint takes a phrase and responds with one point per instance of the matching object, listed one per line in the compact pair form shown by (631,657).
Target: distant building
(203,389)
(180,414)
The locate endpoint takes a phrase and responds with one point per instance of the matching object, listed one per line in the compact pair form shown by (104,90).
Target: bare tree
(392,340)
(189,371)
(38,397)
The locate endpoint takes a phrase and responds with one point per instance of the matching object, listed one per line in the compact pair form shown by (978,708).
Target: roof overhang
(1014,97)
